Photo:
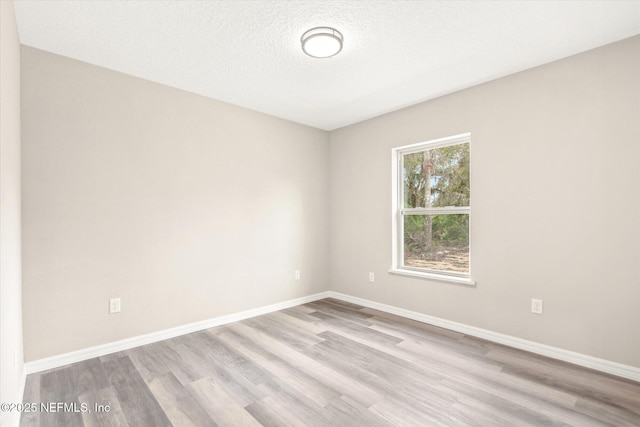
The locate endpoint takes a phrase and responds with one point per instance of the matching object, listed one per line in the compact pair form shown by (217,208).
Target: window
(432,209)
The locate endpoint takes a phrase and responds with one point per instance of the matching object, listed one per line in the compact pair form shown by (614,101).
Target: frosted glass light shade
(322,42)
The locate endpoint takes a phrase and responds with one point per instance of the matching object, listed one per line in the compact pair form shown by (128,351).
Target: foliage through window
(432,206)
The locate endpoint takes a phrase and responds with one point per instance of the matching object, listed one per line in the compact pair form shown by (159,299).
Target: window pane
(437,242)
(437,177)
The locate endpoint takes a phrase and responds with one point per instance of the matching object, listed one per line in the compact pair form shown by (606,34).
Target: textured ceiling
(396,53)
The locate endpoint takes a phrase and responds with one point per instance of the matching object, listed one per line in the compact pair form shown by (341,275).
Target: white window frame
(398,212)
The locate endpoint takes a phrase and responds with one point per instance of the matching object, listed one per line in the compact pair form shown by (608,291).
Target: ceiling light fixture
(322,42)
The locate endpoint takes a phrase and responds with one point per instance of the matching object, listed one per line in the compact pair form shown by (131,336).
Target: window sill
(433,276)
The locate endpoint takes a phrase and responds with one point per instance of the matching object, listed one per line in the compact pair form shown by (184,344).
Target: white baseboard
(113,347)
(614,368)
(15,420)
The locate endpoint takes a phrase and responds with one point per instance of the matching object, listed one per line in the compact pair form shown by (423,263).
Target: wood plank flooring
(331,363)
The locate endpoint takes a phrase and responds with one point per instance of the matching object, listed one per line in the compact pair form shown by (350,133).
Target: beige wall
(555,204)
(11,360)
(189,208)
(185,207)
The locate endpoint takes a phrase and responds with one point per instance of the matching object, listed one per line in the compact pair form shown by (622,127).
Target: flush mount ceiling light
(322,42)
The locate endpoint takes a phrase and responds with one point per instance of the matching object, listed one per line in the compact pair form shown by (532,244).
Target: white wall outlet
(536,306)
(297,274)
(114,305)
(372,277)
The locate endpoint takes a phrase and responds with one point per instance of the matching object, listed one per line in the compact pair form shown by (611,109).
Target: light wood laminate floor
(331,363)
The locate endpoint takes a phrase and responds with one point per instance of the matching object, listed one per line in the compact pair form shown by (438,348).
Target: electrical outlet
(536,306)
(372,277)
(114,305)
(297,274)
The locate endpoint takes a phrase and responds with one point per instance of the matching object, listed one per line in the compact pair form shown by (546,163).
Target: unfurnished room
(319,213)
